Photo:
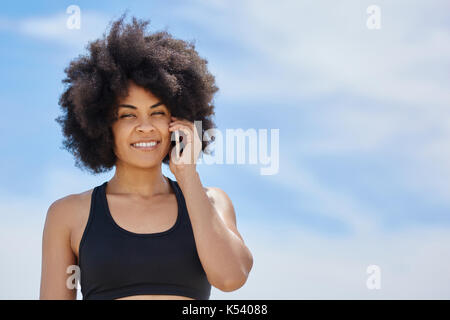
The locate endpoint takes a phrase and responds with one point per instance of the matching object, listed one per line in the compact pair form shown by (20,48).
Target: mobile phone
(177,145)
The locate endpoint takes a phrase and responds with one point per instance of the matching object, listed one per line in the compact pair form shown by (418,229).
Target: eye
(132,115)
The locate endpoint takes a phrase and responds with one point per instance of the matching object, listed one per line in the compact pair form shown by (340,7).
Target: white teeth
(145,144)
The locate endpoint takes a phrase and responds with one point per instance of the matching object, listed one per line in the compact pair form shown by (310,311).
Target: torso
(135,215)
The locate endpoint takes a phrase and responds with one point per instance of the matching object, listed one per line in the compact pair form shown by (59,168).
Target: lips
(146,141)
(145,146)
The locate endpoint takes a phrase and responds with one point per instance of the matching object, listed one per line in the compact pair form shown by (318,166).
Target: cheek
(120,133)
(165,133)
(166,138)
(163,127)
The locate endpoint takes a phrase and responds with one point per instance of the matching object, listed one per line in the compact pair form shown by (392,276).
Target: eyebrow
(133,107)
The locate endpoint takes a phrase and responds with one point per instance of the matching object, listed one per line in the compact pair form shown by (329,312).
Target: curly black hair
(170,68)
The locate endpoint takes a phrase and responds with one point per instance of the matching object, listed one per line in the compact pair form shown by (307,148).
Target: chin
(148,165)
(145,161)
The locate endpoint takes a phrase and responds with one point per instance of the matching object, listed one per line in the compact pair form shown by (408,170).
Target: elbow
(239,278)
(237,282)
(234,284)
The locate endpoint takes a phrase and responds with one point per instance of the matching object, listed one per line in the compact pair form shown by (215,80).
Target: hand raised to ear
(184,163)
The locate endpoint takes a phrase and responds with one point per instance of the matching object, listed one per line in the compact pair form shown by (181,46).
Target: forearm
(224,256)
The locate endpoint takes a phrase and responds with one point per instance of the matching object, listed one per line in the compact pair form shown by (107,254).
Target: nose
(145,126)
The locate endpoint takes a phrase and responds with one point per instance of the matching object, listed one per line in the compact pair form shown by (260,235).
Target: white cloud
(319,48)
(54,27)
(293,263)
(331,203)
(23,218)
(418,140)
(373,129)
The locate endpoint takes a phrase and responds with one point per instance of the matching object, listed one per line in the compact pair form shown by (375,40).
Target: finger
(184,123)
(190,125)
(185,130)
(179,126)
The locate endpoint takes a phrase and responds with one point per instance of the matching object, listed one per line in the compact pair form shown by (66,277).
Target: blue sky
(364,124)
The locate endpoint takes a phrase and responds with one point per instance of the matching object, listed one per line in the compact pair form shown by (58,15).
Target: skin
(141,201)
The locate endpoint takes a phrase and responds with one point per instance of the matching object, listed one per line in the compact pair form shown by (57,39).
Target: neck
(142,182)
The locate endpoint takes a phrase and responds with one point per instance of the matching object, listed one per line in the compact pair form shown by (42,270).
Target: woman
(140,235)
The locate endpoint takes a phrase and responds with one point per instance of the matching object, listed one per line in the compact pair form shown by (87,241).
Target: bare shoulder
(66,210)
(218,196)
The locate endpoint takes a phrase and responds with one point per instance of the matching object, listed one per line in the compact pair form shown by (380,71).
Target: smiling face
(141,117)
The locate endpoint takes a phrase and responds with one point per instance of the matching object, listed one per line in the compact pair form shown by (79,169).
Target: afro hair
(170,68)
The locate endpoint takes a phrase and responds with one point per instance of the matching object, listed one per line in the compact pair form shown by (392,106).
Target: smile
(146,146)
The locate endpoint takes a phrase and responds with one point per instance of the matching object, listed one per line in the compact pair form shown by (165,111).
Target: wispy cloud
(394,80)
(297,264)
(23,218)
(53,28)
(323,48)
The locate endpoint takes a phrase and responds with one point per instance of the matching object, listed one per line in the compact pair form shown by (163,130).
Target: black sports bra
(115,262)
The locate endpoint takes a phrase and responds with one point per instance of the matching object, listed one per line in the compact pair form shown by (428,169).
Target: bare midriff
(155,297)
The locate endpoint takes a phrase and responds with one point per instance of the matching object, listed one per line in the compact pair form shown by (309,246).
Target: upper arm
(224,207)
(57,253)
